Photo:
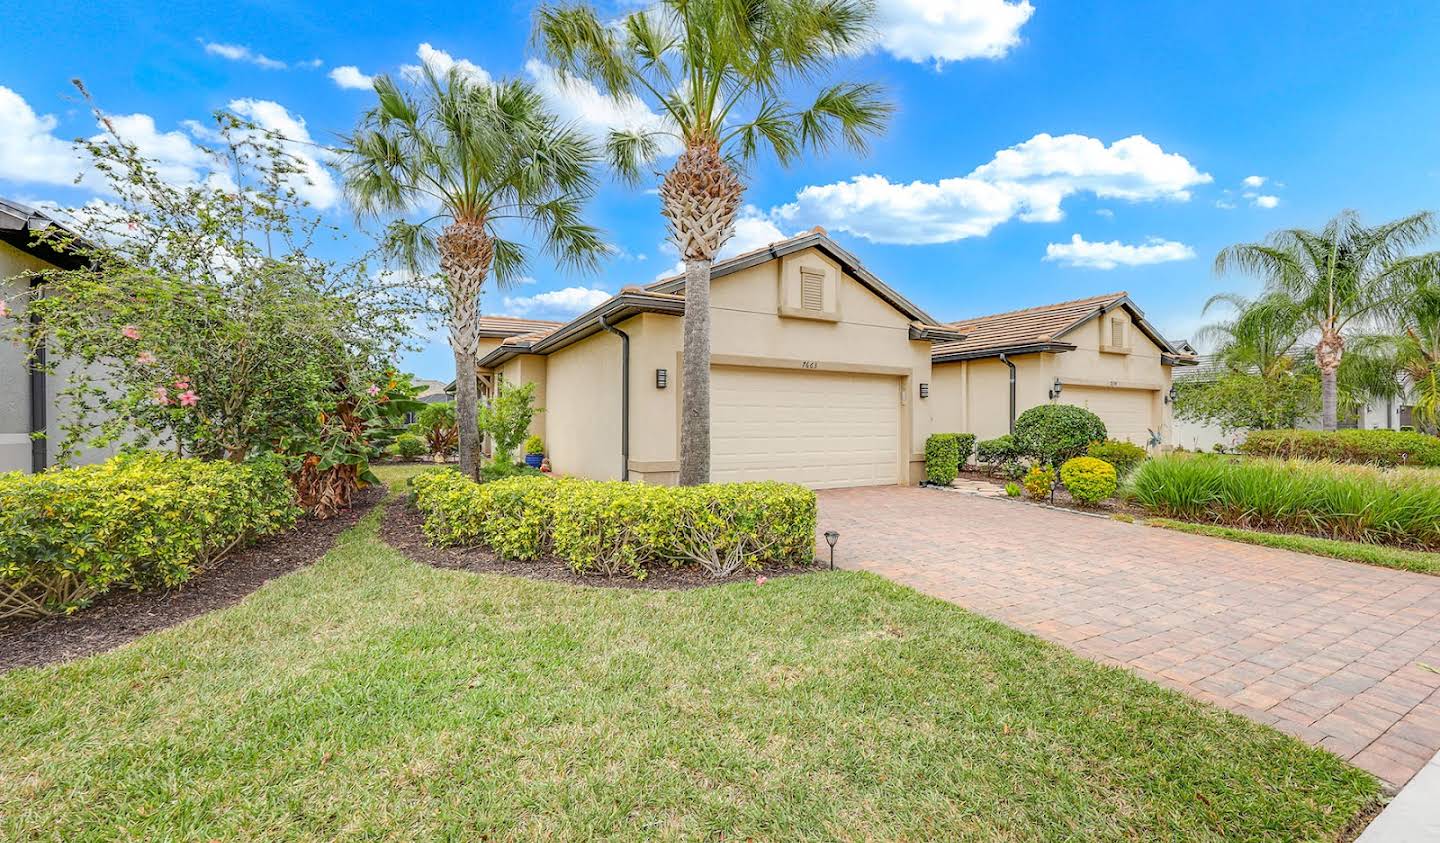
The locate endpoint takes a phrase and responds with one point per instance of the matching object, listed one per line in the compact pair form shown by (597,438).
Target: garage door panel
(1126,412)
(821,429)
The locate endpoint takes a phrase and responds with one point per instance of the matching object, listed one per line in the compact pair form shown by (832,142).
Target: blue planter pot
(534,460)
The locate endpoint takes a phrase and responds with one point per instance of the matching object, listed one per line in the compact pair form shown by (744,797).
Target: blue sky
(1041,151)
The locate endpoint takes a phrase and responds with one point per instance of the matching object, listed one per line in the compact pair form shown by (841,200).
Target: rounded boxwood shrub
(1053,433)
(1123,455)
(1039,480)
(1088,480)
(409,446)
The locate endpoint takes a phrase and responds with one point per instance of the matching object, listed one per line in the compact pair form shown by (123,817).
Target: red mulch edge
(401,529)
(122,616)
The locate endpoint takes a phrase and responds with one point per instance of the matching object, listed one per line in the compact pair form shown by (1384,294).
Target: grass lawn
(1418,561)
(369,697)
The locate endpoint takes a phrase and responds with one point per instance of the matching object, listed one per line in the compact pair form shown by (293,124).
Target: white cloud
(950,30)
(565,303)
(1254,181)
(1082,253)
(441,62)
(176,158)
(1266,201)
(29,149)
(240,52)
(349,76)
(316,184)
(1105,212)
(580,102)
(1029,181)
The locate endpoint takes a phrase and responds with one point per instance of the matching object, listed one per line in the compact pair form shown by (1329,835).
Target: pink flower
(761,580)
(4,309)
(189,399)
(130,332)
(373,390)
(182,383)
(161,395)
(144,358)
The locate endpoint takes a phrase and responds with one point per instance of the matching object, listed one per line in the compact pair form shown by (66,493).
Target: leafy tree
(203,318)
(1238,400)
(507,418)
(1342,280)
(487,157)
(717,71)
(1054,433)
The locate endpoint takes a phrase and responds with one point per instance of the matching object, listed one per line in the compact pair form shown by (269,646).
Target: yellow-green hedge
(1089,480)
(621,528)
(69,535)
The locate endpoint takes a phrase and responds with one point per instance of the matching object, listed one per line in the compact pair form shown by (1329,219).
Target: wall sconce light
(1055,389)
(830,538)
(1170,395)
(662,378)
(924,390)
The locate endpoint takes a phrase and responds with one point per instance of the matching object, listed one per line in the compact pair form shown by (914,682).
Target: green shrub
(502,467)
(409,446)
(999,455)
(1013,489)
(1371,447)
(964,447)
(622,528)
(1124,456)
(507,417)
(1053,433)
(942,458)
(69,535)
(1089,480)
(1039,480)
(1354,502)
(534,445)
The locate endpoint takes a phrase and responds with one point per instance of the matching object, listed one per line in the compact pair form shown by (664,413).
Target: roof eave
(616,309)
(934,333)
(979,353)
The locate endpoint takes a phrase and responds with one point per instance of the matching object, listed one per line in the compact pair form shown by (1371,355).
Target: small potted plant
(534,451)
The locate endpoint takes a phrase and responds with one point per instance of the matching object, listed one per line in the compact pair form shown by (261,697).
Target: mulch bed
(401,529)
(1062,497)
(122,616)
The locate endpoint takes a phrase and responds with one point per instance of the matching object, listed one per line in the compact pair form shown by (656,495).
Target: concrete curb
(1414,815)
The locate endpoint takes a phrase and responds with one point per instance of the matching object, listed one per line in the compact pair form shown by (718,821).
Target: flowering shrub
(67,536)
(1039,480)
(1088,480)
(622,528)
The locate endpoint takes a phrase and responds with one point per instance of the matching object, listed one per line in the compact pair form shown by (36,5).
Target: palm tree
(717,71)
(1260,338)
(486,158)
(1342,279)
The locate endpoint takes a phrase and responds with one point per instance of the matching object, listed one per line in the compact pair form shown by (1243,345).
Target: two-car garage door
(1127,413)
(822,429)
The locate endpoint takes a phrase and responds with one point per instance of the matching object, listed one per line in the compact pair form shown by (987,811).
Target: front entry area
(824,430)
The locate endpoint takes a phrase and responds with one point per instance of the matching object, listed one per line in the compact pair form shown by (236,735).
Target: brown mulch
(401,529)
(122,616)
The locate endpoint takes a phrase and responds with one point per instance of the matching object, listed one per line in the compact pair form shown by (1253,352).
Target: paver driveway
(1336,653)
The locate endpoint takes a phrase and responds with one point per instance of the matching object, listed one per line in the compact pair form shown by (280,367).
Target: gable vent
(1117,332)
(812,290)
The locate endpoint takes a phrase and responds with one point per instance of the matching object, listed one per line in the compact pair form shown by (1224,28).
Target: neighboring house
(1204,436)
(1099,353)
(30,399)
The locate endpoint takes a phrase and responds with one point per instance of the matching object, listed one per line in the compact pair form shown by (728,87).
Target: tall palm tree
(1343,279)
(1261,337)
(486,158)
(718,72)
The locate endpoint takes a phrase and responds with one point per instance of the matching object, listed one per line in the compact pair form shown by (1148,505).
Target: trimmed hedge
(942,458)
(70,535)
(622,528)
(1053,433)
(1124,456)
(1089,480)
(1370,447)
(1353,502)
(999,455)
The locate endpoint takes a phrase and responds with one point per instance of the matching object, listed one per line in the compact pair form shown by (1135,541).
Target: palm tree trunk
(465,401)
(466,251)
(1329,411)
(695,378)
(1328,352)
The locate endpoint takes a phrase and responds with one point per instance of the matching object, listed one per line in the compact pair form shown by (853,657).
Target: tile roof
(1030,326)
(509,326)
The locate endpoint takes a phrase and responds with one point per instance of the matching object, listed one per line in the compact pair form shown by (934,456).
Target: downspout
(624,396)
(38,444)
(1006,361)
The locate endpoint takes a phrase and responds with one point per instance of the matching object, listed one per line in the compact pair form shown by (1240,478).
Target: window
(812,290)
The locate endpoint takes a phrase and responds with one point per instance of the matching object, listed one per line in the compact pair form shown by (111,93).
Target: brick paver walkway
(1336,653)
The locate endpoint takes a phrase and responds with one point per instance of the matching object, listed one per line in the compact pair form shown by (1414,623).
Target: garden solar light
(830,538)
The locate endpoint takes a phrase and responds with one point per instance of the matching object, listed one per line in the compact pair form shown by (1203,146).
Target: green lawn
(1419,561)
(369,697)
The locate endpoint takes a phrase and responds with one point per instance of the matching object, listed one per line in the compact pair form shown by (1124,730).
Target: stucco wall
(581,422)
(14,373)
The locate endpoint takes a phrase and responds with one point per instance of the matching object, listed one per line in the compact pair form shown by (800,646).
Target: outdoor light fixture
(1170,396)
(924,390)
(830,538)
(661,378)
(1055,390)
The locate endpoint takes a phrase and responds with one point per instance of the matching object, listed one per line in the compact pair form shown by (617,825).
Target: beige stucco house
(822,373)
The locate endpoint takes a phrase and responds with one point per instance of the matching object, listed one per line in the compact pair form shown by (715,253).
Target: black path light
(830,538)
